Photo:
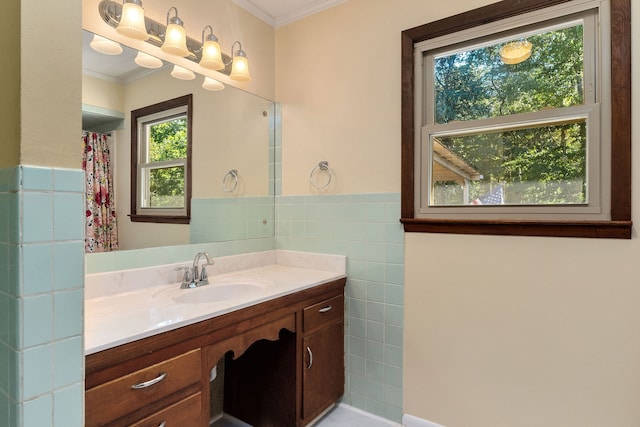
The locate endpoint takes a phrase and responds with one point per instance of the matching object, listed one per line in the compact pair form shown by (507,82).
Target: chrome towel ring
(323,166)
(230,181)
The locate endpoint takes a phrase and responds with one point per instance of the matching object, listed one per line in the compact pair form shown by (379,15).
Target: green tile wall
(41,297)
(365,228)
(232,218)
(121,260)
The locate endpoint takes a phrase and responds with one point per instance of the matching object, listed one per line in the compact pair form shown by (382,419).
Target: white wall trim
(256,11)
(287,17)
(411,421)
(369,415)
(296,15)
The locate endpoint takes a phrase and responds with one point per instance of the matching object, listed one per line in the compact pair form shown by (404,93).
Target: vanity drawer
(181,414)
(323,313)
(121,396)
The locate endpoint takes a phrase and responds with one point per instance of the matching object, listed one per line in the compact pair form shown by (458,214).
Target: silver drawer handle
(162,424)
(310,358)
(324,310)
(149,383)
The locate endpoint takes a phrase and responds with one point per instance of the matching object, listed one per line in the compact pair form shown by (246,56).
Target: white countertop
(112,319)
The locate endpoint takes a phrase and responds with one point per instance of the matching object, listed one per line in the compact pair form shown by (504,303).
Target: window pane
(477,84)
(544,165)
(168,140)
(166,187)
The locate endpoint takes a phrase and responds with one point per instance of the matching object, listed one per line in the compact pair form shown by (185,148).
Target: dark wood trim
(590,229)
(621,110)
(407,124)
(164,219)
(476,17)
(145,111)
(620,225)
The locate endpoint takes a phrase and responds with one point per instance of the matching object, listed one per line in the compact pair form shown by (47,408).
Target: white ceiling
(280,12)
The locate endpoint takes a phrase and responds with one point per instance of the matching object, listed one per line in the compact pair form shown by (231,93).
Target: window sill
(587,229)
(161,219)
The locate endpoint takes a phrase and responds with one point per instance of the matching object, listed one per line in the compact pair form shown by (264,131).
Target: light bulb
(132,21)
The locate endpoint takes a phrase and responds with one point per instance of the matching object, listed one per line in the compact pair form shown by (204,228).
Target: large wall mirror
(233,146)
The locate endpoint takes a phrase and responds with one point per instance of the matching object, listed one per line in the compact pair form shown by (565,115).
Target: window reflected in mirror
(161,162)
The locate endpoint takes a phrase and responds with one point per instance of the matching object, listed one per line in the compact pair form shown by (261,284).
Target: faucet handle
(204,277)
(186,278)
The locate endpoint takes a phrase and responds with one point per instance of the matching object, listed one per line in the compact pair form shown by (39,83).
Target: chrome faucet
(193,276)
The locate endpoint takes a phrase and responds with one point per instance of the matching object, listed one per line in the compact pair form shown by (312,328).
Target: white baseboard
(379,419)
(411,421)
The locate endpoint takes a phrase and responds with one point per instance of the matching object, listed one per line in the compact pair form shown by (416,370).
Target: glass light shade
(211,56)
(147,61)
(515,52)
(175,40)
(182,73)
(240,69)
(212,84)
(105,46)
(132,22)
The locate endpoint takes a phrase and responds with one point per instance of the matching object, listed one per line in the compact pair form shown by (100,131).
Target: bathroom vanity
(281,336)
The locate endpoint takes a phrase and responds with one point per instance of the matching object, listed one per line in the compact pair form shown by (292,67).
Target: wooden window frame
(620,225)
(135,216)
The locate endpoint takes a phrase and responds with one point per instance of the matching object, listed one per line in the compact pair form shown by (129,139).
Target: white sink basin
(217,292)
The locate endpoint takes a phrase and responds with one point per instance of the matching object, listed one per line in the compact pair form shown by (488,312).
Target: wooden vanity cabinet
(184,413)
(323,356)
(268,349)
(154,387)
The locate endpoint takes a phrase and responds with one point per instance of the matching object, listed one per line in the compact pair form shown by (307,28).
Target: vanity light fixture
(240,64)
(516,52)
(211,52)
(182,73)
(105,46)
(212,84)
(147,61)
(175,37)
(132,20)
(172,38)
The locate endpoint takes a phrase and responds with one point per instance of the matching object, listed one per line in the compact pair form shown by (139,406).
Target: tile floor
(340,416)
(348,416)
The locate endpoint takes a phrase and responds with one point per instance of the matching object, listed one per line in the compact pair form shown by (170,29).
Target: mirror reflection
(232,149)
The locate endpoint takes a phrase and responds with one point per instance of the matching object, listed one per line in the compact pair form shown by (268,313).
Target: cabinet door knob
(149,383)
(310,358)
(325,309)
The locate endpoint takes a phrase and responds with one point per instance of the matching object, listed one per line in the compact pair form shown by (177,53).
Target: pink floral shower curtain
(101,234)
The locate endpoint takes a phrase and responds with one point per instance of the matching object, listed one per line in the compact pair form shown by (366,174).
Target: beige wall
(338,79)
(103,93)
(229,22)
(50,88)
(510,331)
(499,331)
(10,86)
(40,113)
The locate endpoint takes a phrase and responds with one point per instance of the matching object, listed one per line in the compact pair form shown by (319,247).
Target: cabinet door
(323,369)
(181,414)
